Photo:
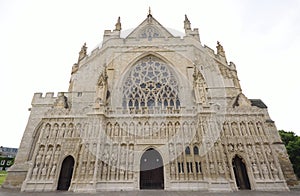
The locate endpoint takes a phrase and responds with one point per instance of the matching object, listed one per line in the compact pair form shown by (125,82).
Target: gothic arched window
(150,83)
(196,150)
(187,150)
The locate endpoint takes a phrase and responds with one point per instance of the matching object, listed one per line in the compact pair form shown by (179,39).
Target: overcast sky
(40,41)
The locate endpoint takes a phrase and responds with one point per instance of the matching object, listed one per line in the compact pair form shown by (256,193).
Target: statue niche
(200,87)
(101,90)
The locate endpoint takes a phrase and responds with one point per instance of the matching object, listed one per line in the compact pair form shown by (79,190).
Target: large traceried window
(150,83)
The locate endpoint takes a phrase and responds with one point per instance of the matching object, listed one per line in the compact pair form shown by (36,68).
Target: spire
(149,12)
(82,52)
(149,16)
(118,25)
(187,23)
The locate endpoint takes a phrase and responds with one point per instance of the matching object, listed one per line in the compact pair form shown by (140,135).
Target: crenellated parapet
(46,99)
(188,30)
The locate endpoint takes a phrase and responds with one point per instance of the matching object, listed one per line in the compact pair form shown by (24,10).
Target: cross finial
(149,12)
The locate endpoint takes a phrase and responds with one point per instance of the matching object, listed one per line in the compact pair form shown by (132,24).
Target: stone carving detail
(200,87)
(150,84)
(116,161)
(149,32)
(101,90)
(220,49)
(255,171)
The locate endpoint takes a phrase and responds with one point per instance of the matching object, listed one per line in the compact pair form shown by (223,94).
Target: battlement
(50,97)
(193,33)
(46,99)
(108,34)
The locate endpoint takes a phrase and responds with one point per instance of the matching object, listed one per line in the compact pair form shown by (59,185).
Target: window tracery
(149,32)
(150,83)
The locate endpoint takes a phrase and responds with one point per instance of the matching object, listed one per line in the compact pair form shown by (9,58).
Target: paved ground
(8,192)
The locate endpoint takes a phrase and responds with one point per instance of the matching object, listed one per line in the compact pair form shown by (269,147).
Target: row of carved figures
(152,130)
(243,129)
(56,131)
(45,162)
(111,161)
(115,162)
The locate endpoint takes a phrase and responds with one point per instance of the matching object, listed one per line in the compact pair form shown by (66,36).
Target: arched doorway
(240,173)
(66,172)
(151,170)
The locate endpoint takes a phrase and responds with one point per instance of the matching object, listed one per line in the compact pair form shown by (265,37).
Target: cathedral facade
(151,110)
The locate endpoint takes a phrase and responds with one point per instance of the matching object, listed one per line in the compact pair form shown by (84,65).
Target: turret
(108,34)
(188,30)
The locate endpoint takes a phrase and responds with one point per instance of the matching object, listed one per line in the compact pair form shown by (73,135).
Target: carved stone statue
(187,23)
(53,170)
(35,172)
(104,173)
(101,90)
(274,171)
(220,167)
(48,156)
(44,172)
(82,52)
(220,49)
(235,129)
(255,171)
(38,159)
(243,129)
(226,129)
(118,25)
(265,171)
(200,87)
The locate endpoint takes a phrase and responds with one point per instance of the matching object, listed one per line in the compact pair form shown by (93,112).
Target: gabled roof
(150,28)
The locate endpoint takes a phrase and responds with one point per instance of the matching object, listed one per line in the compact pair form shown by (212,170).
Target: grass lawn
(2,176)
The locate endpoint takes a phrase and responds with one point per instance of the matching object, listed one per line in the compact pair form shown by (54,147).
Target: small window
(196,150)
(187,150)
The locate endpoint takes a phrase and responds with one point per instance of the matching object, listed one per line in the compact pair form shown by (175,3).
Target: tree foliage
(292,144)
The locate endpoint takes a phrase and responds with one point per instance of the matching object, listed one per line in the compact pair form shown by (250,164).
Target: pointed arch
(66,173)
(240,172)
(187,150)
(196,150)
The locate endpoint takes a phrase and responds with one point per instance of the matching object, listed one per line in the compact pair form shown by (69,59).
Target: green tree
(286,137)
(292,144)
